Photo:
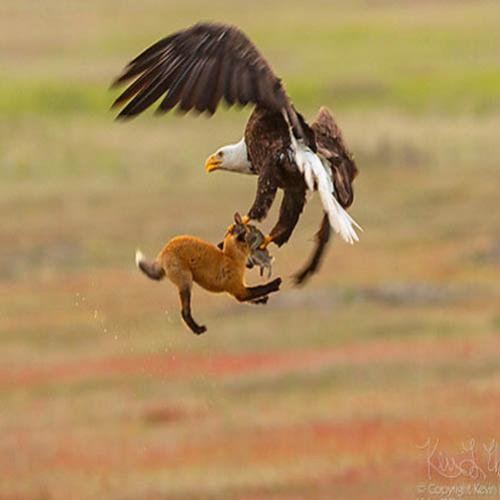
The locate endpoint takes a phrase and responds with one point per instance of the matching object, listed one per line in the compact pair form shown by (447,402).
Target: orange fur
(187,259)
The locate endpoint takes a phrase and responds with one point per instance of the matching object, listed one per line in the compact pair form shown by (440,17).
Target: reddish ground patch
(175,366)
(387,443)
(161,414)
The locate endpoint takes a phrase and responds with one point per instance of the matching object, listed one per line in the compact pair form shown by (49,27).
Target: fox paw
(276,283)
(262,300)
(199,329)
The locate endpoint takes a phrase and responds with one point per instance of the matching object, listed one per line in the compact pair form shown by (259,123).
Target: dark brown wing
(196,68)
(330,144)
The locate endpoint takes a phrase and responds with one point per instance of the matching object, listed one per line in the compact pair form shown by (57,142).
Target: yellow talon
(265,243)
(245,219)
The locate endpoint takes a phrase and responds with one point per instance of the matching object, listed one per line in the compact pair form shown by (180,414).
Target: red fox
(185,259)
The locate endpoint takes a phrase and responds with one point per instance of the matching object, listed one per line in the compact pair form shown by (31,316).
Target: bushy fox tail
(152,270)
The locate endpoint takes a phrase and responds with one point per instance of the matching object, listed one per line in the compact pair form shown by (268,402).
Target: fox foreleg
(257,294)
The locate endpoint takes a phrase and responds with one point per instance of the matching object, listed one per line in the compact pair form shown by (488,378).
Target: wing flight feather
(197,68)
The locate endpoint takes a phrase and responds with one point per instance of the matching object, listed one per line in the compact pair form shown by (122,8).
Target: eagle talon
(265,243)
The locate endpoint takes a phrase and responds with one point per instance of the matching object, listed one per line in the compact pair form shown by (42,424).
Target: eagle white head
(232,158)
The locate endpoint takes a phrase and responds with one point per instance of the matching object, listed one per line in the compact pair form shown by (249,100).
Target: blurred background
(326,392)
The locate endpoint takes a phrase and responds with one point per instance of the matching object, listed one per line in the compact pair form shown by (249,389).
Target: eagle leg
(266,192)
(290,210)
(322,238)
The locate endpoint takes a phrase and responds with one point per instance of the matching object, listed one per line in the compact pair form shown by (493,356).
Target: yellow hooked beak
(212,163)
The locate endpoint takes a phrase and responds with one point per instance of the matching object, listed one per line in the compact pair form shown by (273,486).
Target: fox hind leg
(183,280)
(185,298)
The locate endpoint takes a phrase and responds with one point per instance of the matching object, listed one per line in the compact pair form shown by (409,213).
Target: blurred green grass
(328,388)
(416,58)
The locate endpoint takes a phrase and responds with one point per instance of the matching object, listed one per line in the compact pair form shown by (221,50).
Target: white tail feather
(317,175)
(309,177)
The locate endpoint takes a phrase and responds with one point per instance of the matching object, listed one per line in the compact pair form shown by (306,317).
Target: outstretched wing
(330,144)
(196,68)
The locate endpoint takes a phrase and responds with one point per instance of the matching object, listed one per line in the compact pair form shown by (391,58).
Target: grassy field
(329,390)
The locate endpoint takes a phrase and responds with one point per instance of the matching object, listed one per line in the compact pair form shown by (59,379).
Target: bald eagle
(194,69)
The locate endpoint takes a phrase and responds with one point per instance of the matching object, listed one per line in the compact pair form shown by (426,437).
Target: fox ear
(237,218)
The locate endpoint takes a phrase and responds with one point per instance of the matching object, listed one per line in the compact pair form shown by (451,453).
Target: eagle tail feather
(318,177)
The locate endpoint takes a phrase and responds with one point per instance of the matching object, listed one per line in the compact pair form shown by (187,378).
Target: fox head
(247,238)
(239,230)
(235,241)
(246,233)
